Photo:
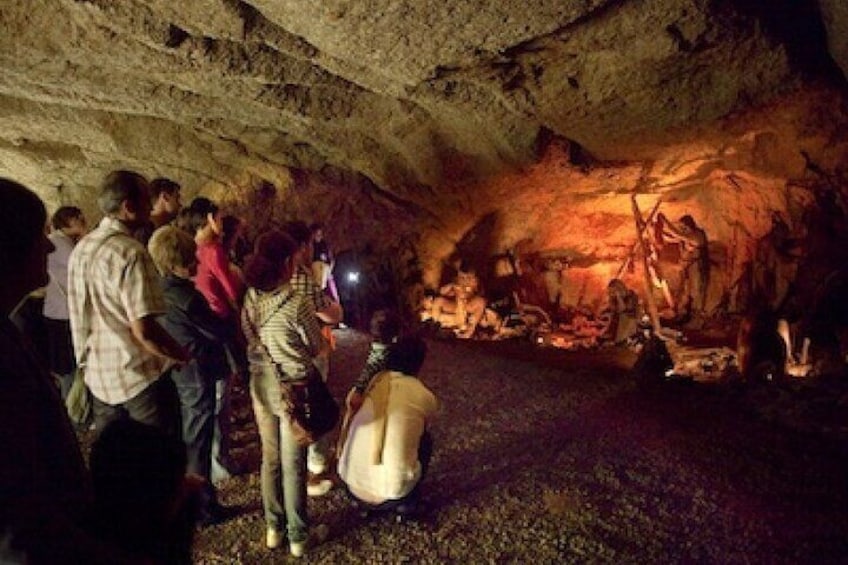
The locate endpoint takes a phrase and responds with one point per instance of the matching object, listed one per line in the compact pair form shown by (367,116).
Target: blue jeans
(283,470)
(197,411)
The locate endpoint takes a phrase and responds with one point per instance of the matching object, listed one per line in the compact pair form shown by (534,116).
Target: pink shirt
(215,281)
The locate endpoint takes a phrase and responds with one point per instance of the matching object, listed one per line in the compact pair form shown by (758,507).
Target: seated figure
(387,448)
(623,310)
(458,305)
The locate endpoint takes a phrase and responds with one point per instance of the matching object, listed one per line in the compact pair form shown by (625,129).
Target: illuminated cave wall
(787,157)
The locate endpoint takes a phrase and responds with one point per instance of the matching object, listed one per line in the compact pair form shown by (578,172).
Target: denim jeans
(157,405)
(283,470)
(221,430)
(197,411)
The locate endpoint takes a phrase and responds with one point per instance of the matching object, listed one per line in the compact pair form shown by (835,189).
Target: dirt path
(544,456)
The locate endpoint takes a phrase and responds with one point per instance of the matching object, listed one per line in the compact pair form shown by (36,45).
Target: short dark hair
(315,226)
(199,210)
(120,186)
(298,231)
(63,216)
(22,222)
(407,355)
(262,267)
(160,185)
(688,221)
(385,325)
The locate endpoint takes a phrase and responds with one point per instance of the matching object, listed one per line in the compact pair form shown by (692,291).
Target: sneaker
(316,468)
(317,536)
(273,538)
(318,487)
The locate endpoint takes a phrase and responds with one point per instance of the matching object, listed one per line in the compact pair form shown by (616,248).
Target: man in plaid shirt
(114,299)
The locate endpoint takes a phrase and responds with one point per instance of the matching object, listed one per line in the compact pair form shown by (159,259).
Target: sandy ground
(545,456)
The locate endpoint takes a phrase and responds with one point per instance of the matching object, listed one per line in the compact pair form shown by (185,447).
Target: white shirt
(56,294)
(410,406)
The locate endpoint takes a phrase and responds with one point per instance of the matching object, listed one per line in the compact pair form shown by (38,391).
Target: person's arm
(157,341)
(142,298)
(219,267)
(331,314)
(210,325)
(309,329)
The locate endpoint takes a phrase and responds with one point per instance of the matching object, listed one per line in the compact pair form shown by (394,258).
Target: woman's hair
(22,221)
(263,267)
(385,326)
(230,228)
(407,355)
(171,248)
(198,212)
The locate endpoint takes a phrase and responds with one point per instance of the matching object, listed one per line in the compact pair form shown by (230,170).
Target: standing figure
(323,261)
(328,313)
(114,301)
(695,259)
(45,490)
(68,227)
(223,290)
(165,195)
(283,337)
(205,335)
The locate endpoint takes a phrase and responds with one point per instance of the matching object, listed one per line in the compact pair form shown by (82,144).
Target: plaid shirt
(112,282)
(303,284)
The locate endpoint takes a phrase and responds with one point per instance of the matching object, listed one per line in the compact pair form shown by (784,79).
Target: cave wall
(465,129)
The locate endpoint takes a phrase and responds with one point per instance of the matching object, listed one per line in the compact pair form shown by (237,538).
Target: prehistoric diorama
(664,177)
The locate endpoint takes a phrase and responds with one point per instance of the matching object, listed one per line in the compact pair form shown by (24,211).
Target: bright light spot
(353,277)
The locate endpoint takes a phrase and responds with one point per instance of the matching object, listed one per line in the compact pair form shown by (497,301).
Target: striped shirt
(284,323)
(111,283)
(377,362)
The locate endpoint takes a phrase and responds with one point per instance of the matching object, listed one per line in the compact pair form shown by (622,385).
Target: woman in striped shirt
(283,337)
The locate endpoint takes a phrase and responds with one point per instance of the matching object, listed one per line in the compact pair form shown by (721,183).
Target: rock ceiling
(432,115)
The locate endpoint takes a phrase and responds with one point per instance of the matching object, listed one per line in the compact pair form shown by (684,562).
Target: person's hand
(354,401)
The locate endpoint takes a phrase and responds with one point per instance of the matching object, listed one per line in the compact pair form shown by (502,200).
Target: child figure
(385,330)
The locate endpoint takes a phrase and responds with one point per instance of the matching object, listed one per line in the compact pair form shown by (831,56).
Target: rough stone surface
(416,123)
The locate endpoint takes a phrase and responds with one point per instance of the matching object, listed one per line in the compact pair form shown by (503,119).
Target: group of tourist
(153,310)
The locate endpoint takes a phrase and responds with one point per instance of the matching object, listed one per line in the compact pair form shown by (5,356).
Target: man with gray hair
(114,299)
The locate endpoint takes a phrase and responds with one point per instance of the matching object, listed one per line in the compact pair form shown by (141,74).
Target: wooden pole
(635,247)
(649,288)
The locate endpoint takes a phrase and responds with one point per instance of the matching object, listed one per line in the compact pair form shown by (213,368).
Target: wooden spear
(649,288)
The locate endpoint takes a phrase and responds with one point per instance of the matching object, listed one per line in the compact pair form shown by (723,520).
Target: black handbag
(312,409)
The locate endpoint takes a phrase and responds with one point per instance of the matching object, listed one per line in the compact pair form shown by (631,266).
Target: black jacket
(192,323)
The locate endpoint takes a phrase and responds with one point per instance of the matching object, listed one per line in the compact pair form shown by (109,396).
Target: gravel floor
(545,456)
